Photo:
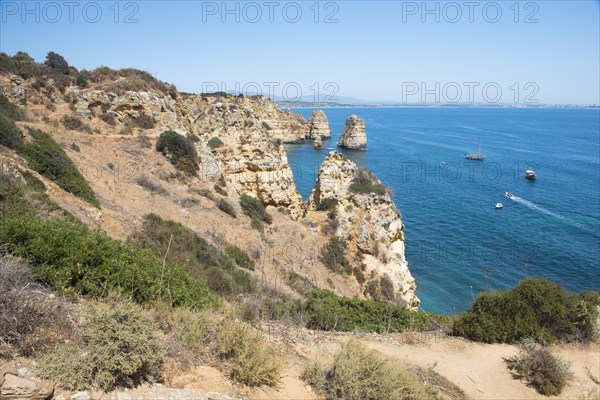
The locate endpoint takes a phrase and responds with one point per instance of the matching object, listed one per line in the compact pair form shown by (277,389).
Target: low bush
(73,122)
(215,143)
(249,357)
(108,118)
(73,259)
(299,283)
(9,110)
(364,182)
(201,259)
(326,204)
(539,368)
(239,256)
(327,311)
(180,150)
(31,321)
(358,373)
(535,308)
(148,184)
(46,157)
(253,208)
(333,255)
(118,348)
(227,208)
(141,120)
(10,135)
(381,289)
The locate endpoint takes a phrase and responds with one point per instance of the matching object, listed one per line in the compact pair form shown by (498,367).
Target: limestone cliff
(252,129)
(353,137)
(252,159)
(372,225)
(318,126)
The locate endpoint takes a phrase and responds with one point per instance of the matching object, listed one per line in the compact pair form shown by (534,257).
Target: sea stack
(354,136)
(318,126)
(318,145)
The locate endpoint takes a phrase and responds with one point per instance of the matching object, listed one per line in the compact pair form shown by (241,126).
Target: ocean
(457,243)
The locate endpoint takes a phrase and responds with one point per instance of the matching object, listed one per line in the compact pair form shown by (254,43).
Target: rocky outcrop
(252,129)
(18,384)
(372,226)
(354,136)
(318,144)
(252,158)
(318,126)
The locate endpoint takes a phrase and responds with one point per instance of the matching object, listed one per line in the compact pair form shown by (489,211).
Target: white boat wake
(543,210)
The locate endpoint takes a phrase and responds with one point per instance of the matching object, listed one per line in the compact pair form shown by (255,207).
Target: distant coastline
(303,104)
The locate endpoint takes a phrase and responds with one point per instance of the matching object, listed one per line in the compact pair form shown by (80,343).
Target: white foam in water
(543,210)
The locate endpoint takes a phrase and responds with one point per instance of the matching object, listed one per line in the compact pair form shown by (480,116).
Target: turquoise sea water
(457,243)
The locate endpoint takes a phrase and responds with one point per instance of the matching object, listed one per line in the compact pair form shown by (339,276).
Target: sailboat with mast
(478,156)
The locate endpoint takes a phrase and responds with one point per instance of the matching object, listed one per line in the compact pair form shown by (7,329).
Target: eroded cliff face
(252,157)
(353,136)
(372,226)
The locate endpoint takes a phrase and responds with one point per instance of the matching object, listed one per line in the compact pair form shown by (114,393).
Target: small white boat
(530,174)
(499,206)
(443,163)
(509,195)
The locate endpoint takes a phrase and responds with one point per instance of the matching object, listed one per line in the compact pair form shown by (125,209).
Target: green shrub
(253,208)
(535,308)
(536,365)
(333,255)
(10,135)
(239,256)
(108,118)
(358,373)
(200,258)
(9,110)
(57,62)
(364,182)
(226,207)
(118,349)
(82,79)
(327,311)
(141,120)
(299,283)
(73,259)
(326,204)
(215,143)
(74,123)
(46,157)
(250,358)
(180,150)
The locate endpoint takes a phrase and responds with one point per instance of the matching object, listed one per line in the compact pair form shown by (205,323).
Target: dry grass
(31,319)
(249,358)
(539,368)
(361,374)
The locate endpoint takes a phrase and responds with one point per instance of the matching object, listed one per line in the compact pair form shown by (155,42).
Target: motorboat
(499,206)
(530,175)
(509,195)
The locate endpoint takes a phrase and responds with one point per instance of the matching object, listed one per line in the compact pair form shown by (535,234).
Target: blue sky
(379,50)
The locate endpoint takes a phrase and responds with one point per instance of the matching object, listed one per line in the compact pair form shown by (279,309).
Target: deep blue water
(457,243)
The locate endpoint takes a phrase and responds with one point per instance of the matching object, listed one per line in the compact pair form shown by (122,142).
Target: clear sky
(377,50)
